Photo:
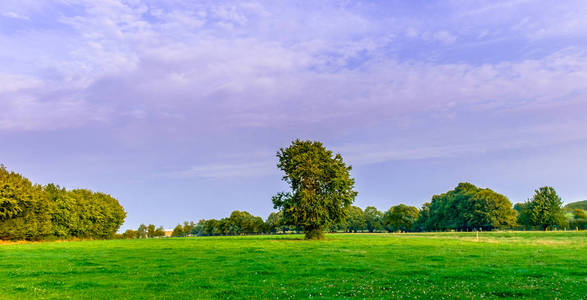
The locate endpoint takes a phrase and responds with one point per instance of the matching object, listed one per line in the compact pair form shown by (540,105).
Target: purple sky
(177,108)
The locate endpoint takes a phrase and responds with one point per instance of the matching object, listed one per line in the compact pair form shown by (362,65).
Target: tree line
(34,212)
(465,208)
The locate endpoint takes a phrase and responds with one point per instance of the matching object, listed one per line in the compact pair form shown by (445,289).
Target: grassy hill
(579,204)
(426,266)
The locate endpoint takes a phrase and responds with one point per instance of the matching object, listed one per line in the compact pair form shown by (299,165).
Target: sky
(177,108)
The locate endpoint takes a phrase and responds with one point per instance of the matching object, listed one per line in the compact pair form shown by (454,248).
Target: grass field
(427,266)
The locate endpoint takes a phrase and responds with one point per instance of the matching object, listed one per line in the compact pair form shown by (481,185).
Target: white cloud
(119,63)
(225,170)
(11,14)
(445,37)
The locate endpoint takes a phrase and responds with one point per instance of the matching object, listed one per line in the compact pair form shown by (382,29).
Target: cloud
(445,37)
(225,170)
(169,68)
(11,14)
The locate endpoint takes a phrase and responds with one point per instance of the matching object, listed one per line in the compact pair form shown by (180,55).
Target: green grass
(425,266)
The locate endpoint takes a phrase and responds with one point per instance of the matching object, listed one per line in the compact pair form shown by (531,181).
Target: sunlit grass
(432,265)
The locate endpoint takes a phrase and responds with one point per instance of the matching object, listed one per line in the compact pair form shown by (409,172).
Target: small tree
(579,219)
(187,227)
(130,234)
(543,210)
(178,231)
(373,219)
(159,232)
(355,219)
(423,221)
(142,231)
(274,220)
(321,187)
(150,230)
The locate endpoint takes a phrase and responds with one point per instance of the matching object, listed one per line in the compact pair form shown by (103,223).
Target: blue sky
(177,108)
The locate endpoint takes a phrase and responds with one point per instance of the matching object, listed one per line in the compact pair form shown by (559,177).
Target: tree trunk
(314,234)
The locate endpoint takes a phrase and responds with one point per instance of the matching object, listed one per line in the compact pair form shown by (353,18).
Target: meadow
(421,266)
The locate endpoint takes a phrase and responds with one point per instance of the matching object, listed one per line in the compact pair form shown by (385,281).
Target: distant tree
(130,234)
(579,204)
(321,187)
(178,231)
(523,215)
(211,227)
(543,210)
(142,231)
(198,229)
(423,221)
(355,219)
(468,207)
(159,232)
(151,230)
(400,217)
(373,219)
(273,222)
(187,227)
(579,219)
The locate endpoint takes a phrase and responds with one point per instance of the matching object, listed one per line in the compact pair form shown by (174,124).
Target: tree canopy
(400,218)
(543,210)
(468,207)
(34,212)
(321,187)
(373,219)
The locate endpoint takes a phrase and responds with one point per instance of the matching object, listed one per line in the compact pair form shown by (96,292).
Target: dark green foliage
(355,220)
(320,183)
(239,223)
(274,222)
(423,223)
(400,218)
(33,212)
(373,219)
(468,207)
(543,210)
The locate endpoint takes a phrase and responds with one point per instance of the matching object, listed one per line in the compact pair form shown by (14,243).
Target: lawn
(426,266)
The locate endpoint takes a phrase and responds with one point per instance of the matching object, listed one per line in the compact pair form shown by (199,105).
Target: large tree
(321,187)
(468,207)
(543,210)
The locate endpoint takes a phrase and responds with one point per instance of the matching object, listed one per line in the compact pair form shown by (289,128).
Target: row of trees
(465,208)
(321,194)
(144,231)
(34,212)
